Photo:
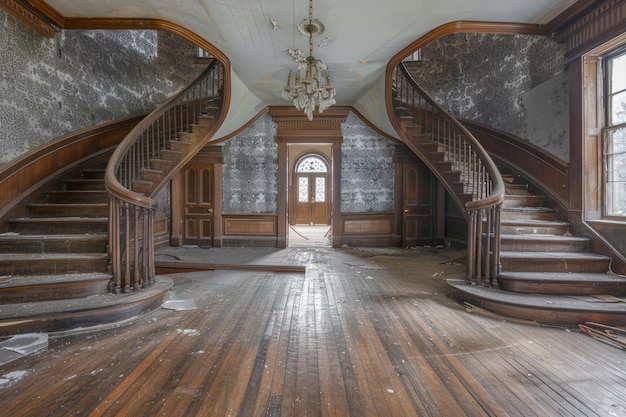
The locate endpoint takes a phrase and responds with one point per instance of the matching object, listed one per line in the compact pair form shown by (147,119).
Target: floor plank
(363,332)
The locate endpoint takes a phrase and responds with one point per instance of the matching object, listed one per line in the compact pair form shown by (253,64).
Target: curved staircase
(548,275)
(54,266)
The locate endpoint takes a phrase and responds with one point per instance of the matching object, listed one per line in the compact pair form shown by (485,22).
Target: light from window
(614,137)
(312,164)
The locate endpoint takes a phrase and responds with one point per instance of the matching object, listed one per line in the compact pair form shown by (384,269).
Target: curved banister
(458,160)
(143,164)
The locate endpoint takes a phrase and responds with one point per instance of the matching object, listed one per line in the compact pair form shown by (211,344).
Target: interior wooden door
(312,205)
(419,205)
(198,211)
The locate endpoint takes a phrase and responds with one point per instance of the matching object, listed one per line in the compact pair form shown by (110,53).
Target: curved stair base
(95,310)
(545,309)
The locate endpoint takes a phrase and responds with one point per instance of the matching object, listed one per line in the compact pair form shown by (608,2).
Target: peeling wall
(515,83)
(367,171)
(250,170)
(52,87)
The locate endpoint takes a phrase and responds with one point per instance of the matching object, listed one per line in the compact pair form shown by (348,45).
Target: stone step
(68,210)
(59,225)
(84,243)
(543,243)
(28,289)
(52,263)
(553,262)
(563,283)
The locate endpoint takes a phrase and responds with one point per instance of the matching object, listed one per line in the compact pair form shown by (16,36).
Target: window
(312,164)
(614,135)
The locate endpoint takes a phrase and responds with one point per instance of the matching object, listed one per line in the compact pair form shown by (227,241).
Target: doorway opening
(310,196)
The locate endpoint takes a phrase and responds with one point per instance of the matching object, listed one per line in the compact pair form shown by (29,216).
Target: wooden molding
(25,15)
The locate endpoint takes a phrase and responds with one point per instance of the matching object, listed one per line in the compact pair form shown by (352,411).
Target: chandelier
(312,87)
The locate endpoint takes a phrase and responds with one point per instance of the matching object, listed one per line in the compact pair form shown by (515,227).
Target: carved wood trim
(25,15)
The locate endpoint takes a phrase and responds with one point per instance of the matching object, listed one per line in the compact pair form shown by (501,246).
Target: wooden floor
(361,333)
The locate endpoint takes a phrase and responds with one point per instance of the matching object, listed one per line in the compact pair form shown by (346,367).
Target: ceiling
(362,35)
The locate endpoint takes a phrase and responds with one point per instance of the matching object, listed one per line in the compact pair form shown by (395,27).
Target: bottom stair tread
(94,310)
(548,309)
(12,281)
(563,276)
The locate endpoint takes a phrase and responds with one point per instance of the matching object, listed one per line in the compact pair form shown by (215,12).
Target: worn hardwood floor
(362,333)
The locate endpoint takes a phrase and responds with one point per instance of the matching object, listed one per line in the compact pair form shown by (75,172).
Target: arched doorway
(312,190)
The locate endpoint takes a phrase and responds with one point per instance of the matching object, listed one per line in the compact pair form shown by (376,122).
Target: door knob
(210,210)
(406,211)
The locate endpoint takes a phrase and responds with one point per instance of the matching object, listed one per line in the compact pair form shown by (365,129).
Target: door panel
(419,205)
(312,206)
(198,196)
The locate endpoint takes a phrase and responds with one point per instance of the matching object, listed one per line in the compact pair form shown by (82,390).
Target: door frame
(293,189)
(207,155)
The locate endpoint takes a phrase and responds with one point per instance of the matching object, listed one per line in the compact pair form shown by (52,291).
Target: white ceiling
(369,31)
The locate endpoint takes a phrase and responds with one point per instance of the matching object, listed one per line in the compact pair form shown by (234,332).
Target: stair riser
(85,186)
(516,189)
(522,201)
(534,230)
(80,226)
(78,197)
(542,246)
(562,288)
(553,265)
(161,165)
(69,211)
(69,290)
(52,266)
(53,246)
(95,174)
(520,215)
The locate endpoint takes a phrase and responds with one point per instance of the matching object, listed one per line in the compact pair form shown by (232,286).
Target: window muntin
(312,164)
(614,136)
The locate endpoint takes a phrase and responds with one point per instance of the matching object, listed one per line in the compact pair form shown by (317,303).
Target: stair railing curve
(478,188)
(132,204)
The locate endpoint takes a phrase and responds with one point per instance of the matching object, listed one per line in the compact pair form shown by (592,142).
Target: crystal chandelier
(312,87)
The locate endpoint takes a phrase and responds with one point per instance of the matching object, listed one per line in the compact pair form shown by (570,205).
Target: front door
(198,195)
(312,206)
(419,205)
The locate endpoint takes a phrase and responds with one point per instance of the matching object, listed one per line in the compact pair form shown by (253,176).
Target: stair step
(543,243)
(562,283)
(94,310)
(151,175)
(84,184)
(143,187)
(160,164)
(52,263)
(515,200)
(84,196)
(59,225)
(546,309)
(26,289)
(92,173)
(170,155)
(533,227)
(179,145)
(68,210)
(528,213)
(83,243)
(553,262)
(516,189)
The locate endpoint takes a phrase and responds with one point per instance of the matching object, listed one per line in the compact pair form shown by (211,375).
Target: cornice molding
(25,15)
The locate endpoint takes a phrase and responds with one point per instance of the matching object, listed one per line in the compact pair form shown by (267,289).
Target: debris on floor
(22,344)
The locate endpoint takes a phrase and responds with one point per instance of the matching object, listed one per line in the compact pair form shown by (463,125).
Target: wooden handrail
(143,164)
(459,161)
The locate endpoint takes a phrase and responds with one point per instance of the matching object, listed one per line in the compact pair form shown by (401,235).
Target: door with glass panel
(198,194)
(312,191)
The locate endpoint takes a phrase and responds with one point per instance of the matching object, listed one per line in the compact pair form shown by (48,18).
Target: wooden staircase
(54,266)
(548,275)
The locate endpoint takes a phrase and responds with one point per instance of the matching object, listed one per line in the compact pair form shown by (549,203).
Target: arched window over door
(312,193)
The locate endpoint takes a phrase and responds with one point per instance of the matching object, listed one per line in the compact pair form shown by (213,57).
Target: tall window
(614,135)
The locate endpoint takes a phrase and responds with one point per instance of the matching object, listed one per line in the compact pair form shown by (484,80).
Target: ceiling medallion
(312,87)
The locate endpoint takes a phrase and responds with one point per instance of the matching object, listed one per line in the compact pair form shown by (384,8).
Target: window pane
(312,164)
(320,189)
(618,107)
(615,167)
(618,73)
(303,190)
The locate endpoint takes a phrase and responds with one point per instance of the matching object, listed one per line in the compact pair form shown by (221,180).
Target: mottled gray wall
(250,170)
(52,87)
(514,83)
(367,172)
